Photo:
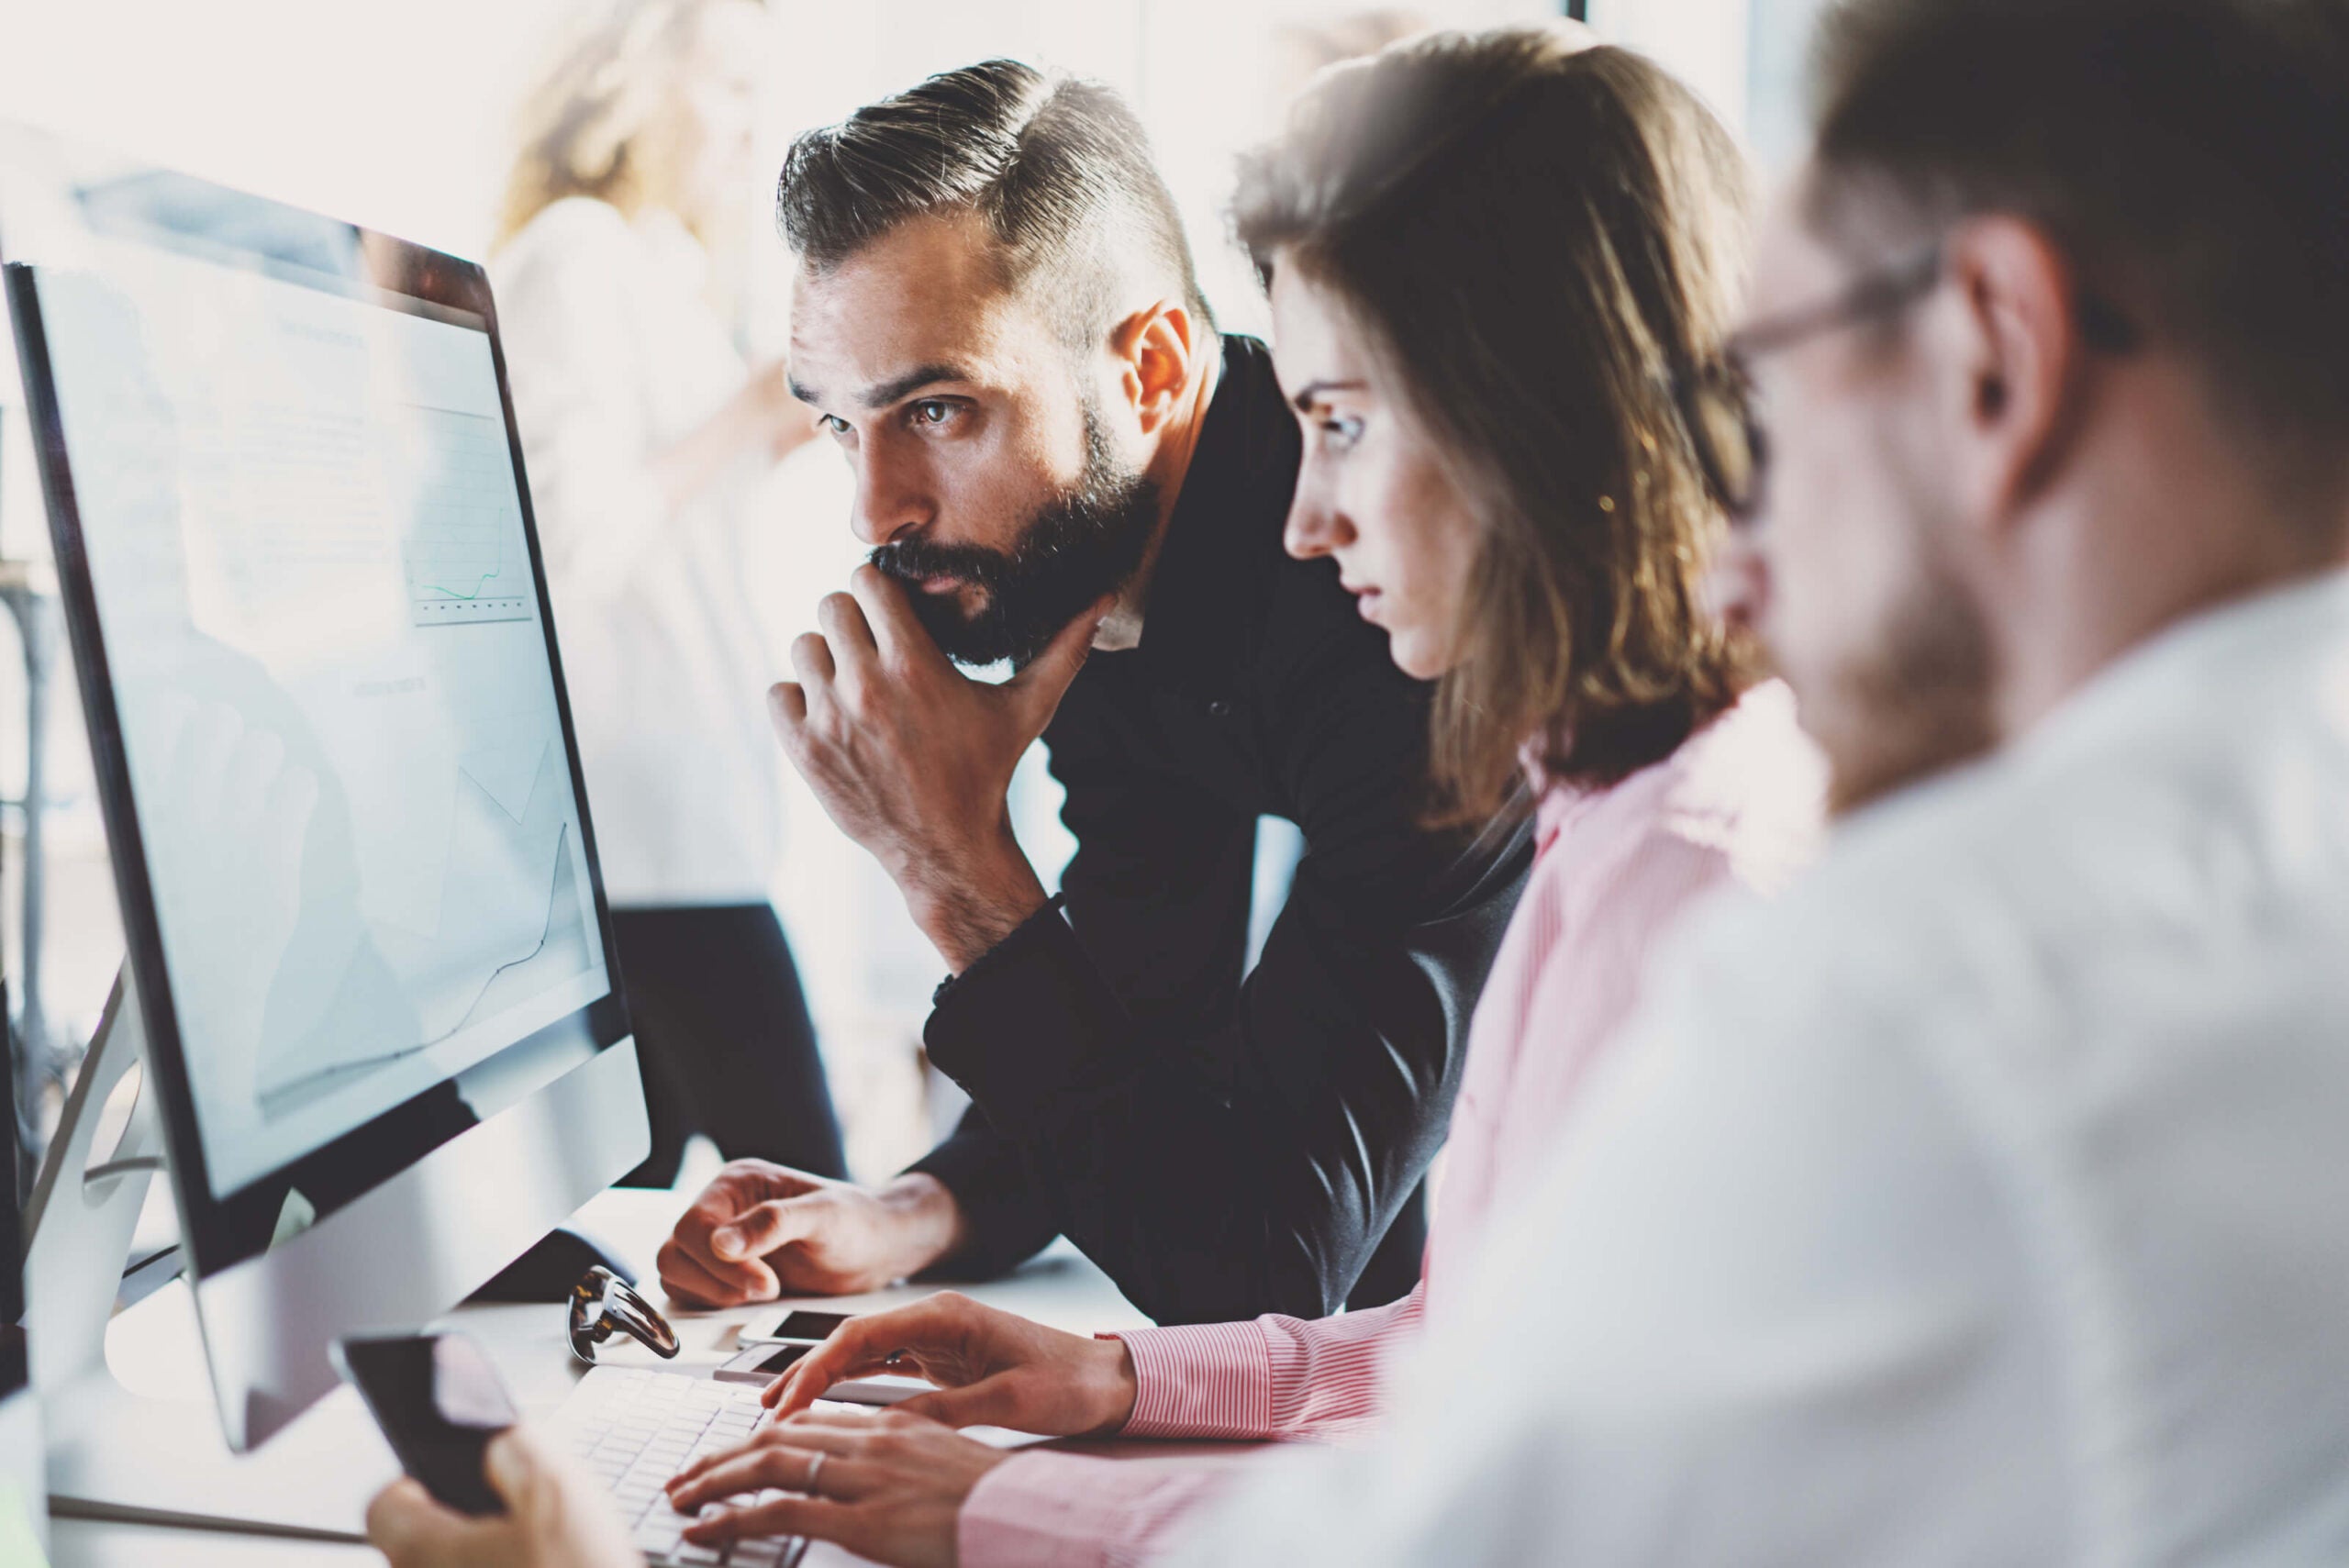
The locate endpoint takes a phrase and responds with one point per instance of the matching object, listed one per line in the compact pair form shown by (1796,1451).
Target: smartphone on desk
(438,1402)
(800,1329)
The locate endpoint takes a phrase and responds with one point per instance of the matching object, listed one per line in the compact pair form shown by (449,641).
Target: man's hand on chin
(912,758)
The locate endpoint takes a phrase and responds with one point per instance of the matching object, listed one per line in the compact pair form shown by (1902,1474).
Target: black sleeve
(1221,1167)
(1164,877)
(1005,1220)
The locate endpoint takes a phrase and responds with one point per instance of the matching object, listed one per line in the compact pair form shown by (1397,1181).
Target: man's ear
(1157,349)
(2020,357)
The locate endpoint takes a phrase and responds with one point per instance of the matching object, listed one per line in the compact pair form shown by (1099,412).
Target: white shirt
(1983,1200)
(613,356)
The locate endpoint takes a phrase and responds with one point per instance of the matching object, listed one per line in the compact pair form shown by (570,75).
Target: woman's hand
(885,1486)
(993,1368)
(555,1517)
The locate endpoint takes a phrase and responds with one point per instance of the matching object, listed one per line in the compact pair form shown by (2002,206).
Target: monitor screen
(342,744)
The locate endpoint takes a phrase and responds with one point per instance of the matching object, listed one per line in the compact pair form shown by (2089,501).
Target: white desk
(152,1349)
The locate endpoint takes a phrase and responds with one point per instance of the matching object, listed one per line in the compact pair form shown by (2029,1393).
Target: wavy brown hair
(1534,235)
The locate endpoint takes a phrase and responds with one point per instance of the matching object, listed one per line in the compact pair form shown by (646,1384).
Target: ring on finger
(815,1468)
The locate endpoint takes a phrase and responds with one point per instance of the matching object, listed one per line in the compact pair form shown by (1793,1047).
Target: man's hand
(555,1517)
(912,758)
(993,1368)
(890,1487)
(759,1230)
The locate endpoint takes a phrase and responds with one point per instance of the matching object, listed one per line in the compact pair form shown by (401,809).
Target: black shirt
(1225,1147)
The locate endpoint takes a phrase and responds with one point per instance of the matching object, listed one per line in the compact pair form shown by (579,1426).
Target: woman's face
(1372,492)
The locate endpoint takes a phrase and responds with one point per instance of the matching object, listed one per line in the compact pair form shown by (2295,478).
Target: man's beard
(1918,702)
(1086,542)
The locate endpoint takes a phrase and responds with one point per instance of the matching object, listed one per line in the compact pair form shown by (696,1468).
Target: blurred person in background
(648,440)
(1302,50)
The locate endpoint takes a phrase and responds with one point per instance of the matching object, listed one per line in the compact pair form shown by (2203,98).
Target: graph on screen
(464,546)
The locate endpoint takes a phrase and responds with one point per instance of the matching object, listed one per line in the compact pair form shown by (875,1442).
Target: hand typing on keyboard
(884,1485)
(636,1429)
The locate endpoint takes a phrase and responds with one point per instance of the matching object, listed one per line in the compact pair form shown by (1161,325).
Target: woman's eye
(1339,431)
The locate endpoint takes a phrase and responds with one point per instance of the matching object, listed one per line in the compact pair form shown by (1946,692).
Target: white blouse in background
(614,355)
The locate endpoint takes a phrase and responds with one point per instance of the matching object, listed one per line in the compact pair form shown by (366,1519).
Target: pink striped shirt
(1739,801)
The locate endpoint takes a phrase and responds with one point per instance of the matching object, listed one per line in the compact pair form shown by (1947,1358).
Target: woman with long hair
(649,441)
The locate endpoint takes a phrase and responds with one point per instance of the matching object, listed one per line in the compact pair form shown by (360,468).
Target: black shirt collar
(1213,583)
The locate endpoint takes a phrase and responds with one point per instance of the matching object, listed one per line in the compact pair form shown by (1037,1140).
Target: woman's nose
(1314,529)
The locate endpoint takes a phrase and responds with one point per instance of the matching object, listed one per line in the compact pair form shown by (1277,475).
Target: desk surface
(152,1350)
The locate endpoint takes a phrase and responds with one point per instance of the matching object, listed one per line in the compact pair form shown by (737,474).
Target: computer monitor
(367,934)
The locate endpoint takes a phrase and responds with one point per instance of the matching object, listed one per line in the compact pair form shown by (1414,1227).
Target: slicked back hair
(2191,156)
(1057,169)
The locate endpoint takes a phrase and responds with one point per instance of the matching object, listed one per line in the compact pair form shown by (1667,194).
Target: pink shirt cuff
(1039,1509)
(1210,1379)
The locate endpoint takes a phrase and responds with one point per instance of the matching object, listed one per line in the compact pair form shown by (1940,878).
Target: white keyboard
(636,1429)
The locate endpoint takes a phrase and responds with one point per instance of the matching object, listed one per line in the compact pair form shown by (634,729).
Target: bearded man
(1060,464)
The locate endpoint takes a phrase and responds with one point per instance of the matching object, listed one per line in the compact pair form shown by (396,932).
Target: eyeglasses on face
(1716,396)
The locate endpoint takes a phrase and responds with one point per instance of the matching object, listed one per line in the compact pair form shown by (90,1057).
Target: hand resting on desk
(993,1368)
(761,1230)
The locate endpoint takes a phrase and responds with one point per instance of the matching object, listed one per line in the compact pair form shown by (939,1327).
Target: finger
(786,707)
(782,1469)
(1037,688)
(836,1431)
(699,1283)
(937,1326)
(890,612)
(801,1387)
(852,1344)
(527,1475)
(413,1531)
(811,656)
(758,1231)
(745,1183)
(817,1517)
(832,1432)
(737,1471)
(845,626)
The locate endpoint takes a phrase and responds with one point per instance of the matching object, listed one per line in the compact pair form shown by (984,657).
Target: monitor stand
(119,1454)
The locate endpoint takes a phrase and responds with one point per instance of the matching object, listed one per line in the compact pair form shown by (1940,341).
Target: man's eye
(832,422)
(932,411)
